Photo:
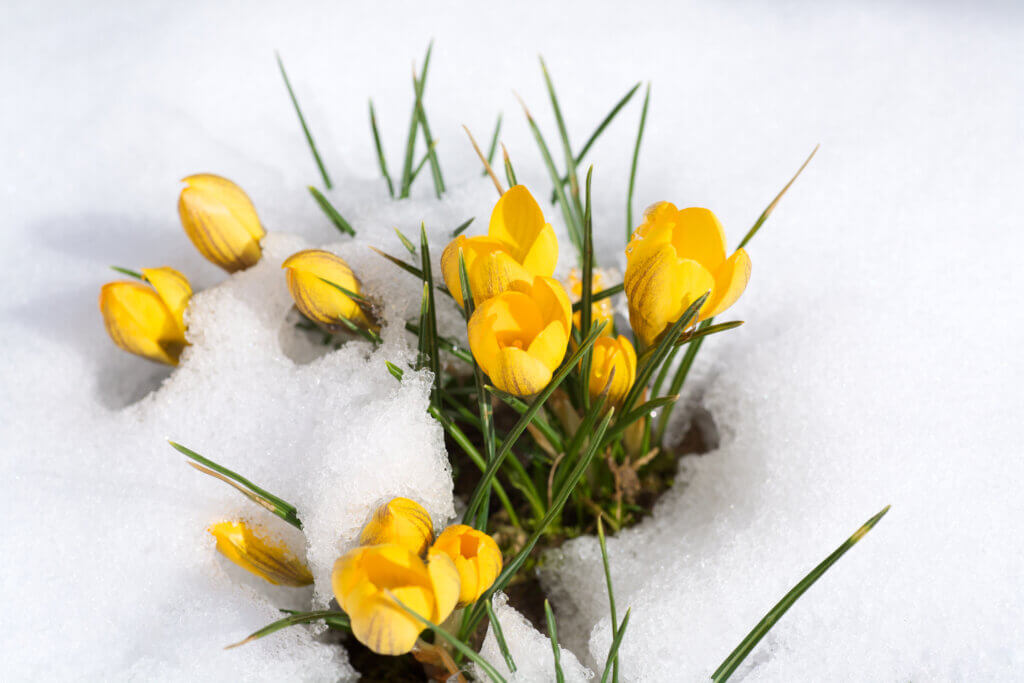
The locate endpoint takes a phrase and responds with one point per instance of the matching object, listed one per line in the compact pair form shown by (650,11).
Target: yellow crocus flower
(250,548)
(400,521)
(221,221)
(519,337)
(317,300)
(476,556)
(612,367)
(600,311)
(519,245)
(673,258)
(367,581)
(148,320)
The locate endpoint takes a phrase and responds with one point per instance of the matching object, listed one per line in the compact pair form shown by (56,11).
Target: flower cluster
(400,568)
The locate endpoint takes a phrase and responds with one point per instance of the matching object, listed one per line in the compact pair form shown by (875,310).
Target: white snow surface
(879,364)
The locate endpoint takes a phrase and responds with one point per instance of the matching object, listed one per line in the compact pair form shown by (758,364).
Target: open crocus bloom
(519,337)
(519,245)
(318,300)
(612,368)
(148,320)
(400,521)
(368,580)
(251,549)
(673,258)
(476,556)
(221,221)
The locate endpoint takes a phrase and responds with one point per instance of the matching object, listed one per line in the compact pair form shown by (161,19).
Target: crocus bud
(600,311)
(221,221)
(476,556)
(147,320)
(519,337)
(612,369)
(317,300)
(673,258)
(367,581)
(402,522)
(251,549)
(519,245)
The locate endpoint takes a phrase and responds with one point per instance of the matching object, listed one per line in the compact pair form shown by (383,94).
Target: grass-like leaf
(627,419)
(510,173)
(611,592)
(406,242)
(600,129)
(127,271)
(332,618)
(706,331)
(336,218)
(499,635)
(520,406)
(494,141)
(381,160)
(570,159)
(462,227)
(587,290)
(571,224)
(525,419)
(283,508)
(554,510)
(444,344)
(597,296)
(428,326)
(771,207)
(419,85)
(632,167)
(736,657)
(410,143)
(302,122)
(549,616)
(464,649)
(611,663)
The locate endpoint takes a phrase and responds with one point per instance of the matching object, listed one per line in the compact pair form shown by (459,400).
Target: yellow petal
(400,521)
(444,578)
(613,366)
(490,268)
(221,221)
(139,322)
(476,556)
(553,301)
(519,373)
(317,300)
(660,289)
(367,580)
(510,319)
(601,311)
(730,281)
(383,626)
(518,223)
(173,288)
(698,235)
(249,548)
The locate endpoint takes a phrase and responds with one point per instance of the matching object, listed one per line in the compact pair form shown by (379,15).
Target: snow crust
(880,360)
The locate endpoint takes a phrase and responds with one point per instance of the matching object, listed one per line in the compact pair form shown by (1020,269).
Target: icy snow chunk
(530,650)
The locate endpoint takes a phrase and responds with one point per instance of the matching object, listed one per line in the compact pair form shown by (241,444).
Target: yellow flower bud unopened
(221,221)
(318,300)
(250,548)
(148,320)
(519,337)
(519,245)
(476,556)
(673,258)
(600,311)
(402,522)
(367,580)
(612,368)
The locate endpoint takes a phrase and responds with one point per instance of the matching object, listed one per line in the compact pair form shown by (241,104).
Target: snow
(880,360)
